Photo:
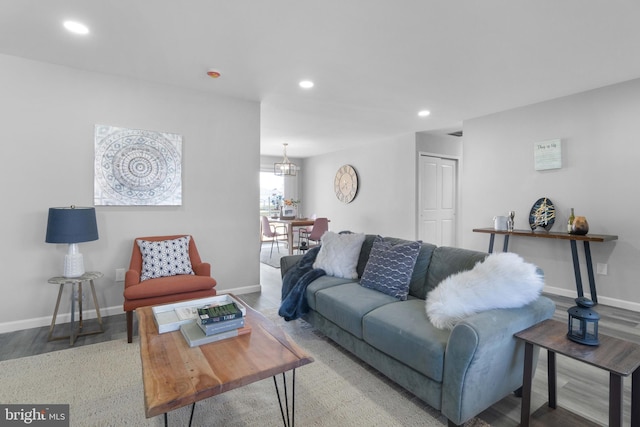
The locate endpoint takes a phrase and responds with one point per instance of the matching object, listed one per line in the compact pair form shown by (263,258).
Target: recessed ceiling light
(424,113)
(306,84)
(76,27)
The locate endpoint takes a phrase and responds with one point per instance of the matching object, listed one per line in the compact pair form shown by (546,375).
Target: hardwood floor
(581,388)
(29,342)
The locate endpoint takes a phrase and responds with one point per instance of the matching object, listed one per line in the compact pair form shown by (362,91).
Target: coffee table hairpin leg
(193,407)
(286,421)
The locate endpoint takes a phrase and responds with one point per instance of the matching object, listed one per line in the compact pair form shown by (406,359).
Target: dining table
(290,224)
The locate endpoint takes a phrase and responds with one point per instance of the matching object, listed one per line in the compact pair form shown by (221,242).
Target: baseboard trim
(38,322)
(627,305)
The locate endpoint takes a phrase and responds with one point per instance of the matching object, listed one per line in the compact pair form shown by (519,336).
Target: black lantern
(583,322)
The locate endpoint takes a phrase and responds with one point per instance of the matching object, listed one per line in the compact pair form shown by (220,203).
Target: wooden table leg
(95,303)
(492,238)
(290,238)
(576,267)
(615,400)
(55,313)
(635,398)
(551,379)
(72,339)
(592,280)
(527,380)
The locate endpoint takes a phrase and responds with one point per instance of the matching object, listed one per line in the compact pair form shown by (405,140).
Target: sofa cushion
(320,283)
(339,254)
(164,258)
(390,267)
(402,331)
(345,305)
(446,261)
(502,280)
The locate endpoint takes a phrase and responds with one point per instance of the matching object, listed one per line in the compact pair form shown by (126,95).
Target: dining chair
(272,232)
(320,226)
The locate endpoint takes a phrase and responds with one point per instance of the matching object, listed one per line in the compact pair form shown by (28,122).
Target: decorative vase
(580,226)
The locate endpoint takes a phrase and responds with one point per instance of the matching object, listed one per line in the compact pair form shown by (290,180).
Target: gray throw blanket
(294,285)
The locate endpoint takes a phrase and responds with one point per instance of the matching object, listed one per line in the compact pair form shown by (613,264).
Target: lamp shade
(71,225)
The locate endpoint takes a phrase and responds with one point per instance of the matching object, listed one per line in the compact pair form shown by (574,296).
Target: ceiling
(375,63)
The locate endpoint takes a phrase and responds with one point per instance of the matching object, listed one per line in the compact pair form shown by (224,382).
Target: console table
(572,238)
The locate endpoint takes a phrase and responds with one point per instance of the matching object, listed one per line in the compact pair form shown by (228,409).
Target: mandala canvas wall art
(137,167)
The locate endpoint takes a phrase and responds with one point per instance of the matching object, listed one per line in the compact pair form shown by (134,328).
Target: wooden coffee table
(619,357)
(176,375)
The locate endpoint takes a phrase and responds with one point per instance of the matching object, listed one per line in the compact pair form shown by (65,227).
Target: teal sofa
(461,372)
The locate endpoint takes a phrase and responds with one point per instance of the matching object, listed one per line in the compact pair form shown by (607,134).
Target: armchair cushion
(165,258)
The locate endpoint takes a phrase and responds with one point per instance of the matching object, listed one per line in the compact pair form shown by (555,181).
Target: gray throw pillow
(390,267)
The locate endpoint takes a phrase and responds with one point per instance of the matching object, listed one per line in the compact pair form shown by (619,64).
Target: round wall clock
(345,184)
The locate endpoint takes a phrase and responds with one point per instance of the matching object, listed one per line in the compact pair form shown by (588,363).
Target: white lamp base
(73,262)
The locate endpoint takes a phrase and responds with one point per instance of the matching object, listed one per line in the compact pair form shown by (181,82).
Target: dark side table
(619,357)
(74,333)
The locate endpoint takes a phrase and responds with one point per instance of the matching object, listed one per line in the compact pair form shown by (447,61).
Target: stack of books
(214,323)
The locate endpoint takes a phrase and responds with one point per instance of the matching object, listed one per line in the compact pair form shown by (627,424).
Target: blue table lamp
(72,225)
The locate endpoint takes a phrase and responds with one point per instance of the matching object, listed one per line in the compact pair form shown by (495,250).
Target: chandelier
(285,167)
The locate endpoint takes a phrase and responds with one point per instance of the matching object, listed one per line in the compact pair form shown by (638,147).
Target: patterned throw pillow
(390,267)
(165,258)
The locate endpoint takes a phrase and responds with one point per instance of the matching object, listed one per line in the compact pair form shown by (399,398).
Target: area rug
(102,383)
(272,259)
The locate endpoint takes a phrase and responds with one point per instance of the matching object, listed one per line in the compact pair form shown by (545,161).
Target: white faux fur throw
(502,280)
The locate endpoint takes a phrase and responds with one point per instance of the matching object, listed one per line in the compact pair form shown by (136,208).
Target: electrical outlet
(601,268)
(119,274)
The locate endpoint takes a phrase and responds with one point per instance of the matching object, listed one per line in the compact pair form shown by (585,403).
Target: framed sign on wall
(547,154)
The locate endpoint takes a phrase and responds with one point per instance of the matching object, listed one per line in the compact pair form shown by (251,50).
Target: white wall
(48,115)
(386,198)
(599,131)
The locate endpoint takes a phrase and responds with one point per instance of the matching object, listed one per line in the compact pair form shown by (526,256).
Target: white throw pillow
(502,280)
(339,253)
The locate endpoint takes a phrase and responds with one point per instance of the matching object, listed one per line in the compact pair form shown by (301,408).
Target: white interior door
(437,200)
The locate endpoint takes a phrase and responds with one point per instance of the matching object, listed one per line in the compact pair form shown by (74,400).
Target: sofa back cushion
(417,285)
(446,261)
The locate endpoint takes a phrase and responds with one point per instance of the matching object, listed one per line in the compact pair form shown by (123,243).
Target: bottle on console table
(572,218)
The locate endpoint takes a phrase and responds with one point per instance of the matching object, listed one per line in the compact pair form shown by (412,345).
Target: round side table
(73,332)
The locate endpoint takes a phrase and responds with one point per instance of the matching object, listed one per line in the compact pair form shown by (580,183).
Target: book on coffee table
(169,317)
(195,336)
(216,328)
(219,313)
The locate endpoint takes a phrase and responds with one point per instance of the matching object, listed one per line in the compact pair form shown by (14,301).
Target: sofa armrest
(202,269)
(288,261)
(484,361)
